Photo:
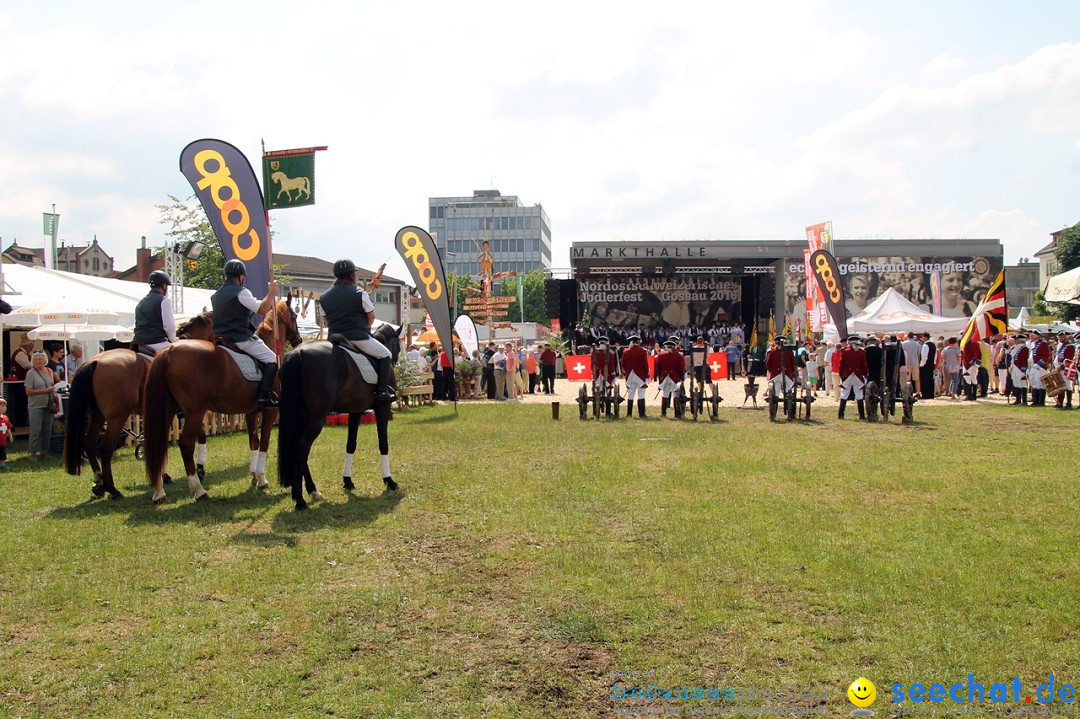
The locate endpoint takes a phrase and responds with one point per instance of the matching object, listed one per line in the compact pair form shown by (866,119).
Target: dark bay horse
(316,379)
(105,392)
(197,377)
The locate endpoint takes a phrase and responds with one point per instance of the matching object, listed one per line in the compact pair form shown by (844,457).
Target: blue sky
(626,120)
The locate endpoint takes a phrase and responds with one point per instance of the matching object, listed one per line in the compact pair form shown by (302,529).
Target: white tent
(1064,287)
(891,312)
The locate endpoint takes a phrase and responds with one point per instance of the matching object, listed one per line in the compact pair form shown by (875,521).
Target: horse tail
(157,415)
(80,404)
(291,420)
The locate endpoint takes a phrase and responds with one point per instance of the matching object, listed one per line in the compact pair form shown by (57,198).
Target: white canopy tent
(890,313)
(1064,287)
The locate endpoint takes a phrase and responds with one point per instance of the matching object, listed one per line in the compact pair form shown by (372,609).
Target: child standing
(6,435)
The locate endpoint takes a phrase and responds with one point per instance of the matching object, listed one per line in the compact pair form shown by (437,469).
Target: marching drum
(1054,383)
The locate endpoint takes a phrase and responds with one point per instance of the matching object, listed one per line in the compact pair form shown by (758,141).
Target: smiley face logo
(862,692)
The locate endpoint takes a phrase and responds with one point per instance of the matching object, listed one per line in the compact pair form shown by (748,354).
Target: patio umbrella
(429,336)
(100,333)
(60,312)
(49,332)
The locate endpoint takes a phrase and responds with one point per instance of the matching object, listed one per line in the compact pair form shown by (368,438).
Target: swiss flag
(717,365)
(579,368)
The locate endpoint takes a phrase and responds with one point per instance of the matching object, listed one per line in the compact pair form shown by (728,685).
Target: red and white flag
(579,368)
(717,362)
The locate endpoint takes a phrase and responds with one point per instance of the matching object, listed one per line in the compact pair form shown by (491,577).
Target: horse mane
(199,321)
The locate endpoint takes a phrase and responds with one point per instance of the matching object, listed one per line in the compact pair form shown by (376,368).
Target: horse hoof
(201,471)
(317,496)
(98,490)
(116,494)
(301,505)
(166,479)
(202,497)
(347,483)
(159,500)
(391,485)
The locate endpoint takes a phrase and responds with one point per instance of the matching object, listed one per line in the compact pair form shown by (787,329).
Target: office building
(518,236)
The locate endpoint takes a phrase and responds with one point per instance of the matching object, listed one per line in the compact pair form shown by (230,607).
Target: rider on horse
(350,313)
(233,306)
(155,326)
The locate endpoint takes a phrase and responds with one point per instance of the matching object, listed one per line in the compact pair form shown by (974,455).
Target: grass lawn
(525,560)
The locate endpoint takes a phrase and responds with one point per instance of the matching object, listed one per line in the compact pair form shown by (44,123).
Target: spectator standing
(498,367)
(41,398)
(547,368)
(532,367)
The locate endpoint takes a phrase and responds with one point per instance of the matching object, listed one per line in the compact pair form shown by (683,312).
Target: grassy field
(526,560)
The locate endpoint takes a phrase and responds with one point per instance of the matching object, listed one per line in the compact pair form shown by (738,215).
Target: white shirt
(246,299)
(924,355)
(498,360)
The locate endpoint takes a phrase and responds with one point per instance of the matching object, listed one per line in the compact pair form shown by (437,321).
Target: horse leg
(307,439)
(382,419)
(192,431)
(350,450)
(200,453)
(309,485)
(113,430)
(257,464)
(90,449)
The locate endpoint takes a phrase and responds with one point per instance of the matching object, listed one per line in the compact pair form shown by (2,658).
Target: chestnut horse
(105,392)
(196,377)
(316,379)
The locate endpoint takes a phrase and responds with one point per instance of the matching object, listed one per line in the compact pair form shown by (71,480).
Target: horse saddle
(363,362)
(247,364)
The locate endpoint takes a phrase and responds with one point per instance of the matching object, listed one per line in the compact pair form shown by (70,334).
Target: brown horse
(105,392)
(196,377)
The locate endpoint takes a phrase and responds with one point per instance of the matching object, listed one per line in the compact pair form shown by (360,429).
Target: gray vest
(231,319)
(343,307)
(149,327)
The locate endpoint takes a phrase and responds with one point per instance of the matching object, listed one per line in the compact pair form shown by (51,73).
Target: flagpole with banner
(291,171)
(991,317)
(51,223)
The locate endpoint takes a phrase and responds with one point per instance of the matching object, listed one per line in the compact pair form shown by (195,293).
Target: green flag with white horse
(289,177)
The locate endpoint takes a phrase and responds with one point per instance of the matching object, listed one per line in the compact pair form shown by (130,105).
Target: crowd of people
(506,370)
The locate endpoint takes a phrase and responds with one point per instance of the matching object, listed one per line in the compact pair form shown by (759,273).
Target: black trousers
(489,373)
(926,381)
(547,375)
(449,385)
(534,380)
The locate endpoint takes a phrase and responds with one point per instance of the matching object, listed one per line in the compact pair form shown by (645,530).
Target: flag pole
(270,254)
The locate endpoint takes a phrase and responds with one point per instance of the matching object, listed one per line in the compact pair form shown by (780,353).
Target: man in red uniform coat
(853,371)
(1018,369)
(635,365)
(780,367)
(1040,361)
(604,368)
(670,369)
(971,357)
(1065,361)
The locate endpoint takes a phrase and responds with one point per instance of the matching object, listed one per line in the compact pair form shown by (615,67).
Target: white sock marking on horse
(385,465)
(200,453)
(253,465)
(260,463)
(195,486)
(347,469)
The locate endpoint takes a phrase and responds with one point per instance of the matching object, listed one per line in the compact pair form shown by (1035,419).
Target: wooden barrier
(418,395)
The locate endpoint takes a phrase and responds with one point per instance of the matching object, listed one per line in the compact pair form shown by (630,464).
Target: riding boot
(665,402)
(862,408)
(383,394)
(840,414)
(266,386)
(641,409)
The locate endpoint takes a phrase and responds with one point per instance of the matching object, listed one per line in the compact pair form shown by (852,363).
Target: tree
(1067,256)
(185,222)
(533,295)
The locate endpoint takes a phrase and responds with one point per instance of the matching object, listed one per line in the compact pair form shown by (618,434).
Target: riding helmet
(235,268)
(158,278)
(342,268)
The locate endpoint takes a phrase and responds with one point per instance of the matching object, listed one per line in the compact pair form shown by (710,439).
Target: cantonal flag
(717,365)
(579,368)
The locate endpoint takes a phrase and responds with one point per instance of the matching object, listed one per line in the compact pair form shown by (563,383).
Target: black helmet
(158,278)
(235,268)
(342,268)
